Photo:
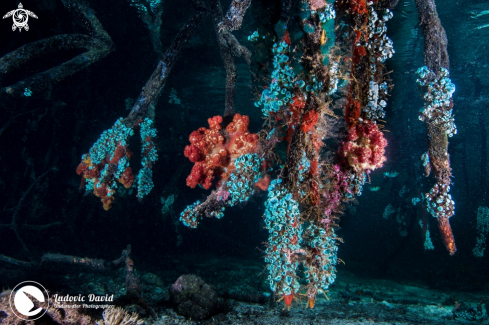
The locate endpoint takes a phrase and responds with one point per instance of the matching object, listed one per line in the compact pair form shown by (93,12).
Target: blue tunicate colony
(154,5)
(242,181)
(375,107)
(144,182)
(240,187)
(148,151)
(279,93)
(437,107)
(380,46)
(322,272)
(253,37)
(191,221)
(148,133)
(327,14)
(425,158)
(105,146)
(356,184)
(282,218)
(303,167)
(108,141)
(378,41)
(439,202)
(315,86)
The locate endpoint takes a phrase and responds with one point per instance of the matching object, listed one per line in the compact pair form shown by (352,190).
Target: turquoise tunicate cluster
(108,140)
(282,218)
(148,149)
(279,93)
(322,272)
(240,187)
(378,43)
(333,77)
(356,184)
(376,104)
(188,216)
(111,188)
(89,183)
(121,166)
(425,158)
(315,87)
(437,100)
(270,134)
(328,13)
(254,37)
(154,6)
(303,167)
(27,92)
(439,202)
(305,12)
(242,181)
(218,213)
(308,28)
(415,200)
(144,182)
(149,157)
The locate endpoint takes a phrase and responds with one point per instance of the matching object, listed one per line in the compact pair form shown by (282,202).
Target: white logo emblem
(25,296)
(20,17)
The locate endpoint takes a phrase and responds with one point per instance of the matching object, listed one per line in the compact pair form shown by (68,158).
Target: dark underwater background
(54,127)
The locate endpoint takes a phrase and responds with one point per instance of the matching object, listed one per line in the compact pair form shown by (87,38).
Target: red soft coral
(214,150)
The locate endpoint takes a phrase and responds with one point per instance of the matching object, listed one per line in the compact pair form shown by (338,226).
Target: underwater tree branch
(95,264)
(16,262)
(99,45)
(435,42)
(132,282)
(108,159)
(235,14)
(150,13)
(437,113)
(229,45)
(151,91)
(305,201)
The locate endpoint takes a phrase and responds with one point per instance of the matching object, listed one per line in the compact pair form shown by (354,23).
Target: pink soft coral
(365,147)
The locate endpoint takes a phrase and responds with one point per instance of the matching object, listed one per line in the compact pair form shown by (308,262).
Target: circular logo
(29,300)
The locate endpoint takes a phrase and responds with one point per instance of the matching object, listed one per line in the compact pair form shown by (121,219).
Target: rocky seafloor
(239,296)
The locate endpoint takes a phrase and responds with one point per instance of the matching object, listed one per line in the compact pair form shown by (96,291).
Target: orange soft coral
(102,188)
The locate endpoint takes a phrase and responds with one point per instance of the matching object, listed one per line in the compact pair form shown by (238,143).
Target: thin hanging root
(330,113)
(340,239)
(324,293)
(298,300)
